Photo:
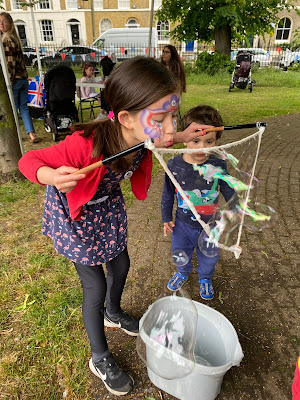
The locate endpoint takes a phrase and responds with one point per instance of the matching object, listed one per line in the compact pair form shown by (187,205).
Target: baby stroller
(241,76)
(61,112)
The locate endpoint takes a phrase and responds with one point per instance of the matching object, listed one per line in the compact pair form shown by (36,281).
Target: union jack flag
(36,94)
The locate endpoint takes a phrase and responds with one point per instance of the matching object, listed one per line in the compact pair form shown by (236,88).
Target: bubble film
(167,336)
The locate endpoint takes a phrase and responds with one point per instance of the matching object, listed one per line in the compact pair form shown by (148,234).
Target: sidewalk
(260,291)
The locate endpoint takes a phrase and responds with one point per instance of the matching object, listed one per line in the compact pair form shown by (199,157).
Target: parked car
(260,57)
(74,55)
(289,57)
(30,55)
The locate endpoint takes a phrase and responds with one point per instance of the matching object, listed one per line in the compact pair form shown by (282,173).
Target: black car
(73,55)
(30,55)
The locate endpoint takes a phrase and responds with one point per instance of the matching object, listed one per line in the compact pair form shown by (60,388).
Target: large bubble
(168,334)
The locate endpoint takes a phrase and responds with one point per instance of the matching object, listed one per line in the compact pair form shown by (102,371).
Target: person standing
(170,58)
(17,71)
(85,214)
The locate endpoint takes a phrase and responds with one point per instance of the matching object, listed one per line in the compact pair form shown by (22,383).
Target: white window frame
(124,4)
(157,4)
(159,31)
(102,25)
(282,31)
(71,4)
(132,25)
(45,31)
(40,6)
(98,4)
(16,5)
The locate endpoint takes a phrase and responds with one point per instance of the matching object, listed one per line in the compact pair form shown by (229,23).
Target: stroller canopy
(60,87)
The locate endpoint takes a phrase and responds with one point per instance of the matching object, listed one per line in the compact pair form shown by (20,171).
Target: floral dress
(101,233)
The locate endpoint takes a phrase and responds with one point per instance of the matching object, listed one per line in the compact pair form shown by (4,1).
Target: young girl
(88,77)
(84,214)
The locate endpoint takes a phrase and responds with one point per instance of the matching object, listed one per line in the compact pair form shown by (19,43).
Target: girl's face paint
(153,119)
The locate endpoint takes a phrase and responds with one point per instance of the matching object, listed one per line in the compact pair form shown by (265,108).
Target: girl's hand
(61,177)
(190,133)
(168,227)
(64,180)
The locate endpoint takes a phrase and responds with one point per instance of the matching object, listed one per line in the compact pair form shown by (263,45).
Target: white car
(289,57)
(260,57)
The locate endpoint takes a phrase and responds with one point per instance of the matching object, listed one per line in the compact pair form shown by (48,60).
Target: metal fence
(51,55)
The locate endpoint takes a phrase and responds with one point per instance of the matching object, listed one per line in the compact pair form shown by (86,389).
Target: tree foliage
(198,19)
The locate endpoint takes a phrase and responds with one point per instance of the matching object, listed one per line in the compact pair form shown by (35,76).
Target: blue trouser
(20,92)
(185,238)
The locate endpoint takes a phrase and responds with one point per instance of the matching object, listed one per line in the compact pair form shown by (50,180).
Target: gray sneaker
(101,116)
(113,377)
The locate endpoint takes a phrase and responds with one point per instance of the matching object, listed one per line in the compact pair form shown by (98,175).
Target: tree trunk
(10,151)
(223,39)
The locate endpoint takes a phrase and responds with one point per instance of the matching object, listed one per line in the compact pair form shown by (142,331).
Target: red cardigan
(75,151)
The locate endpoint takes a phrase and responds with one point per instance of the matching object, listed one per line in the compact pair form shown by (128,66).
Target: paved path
(260,290)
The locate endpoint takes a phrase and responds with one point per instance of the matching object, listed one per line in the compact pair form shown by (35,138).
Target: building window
(16,5)
(157,4)
(283,29)
(47,30)
(71,3)
(163,30)
(98,4)
(21,29)
(132,23)
(105,24)
(44,5)
(123,4)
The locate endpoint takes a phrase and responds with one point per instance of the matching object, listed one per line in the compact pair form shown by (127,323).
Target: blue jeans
(185,238)
(20,92)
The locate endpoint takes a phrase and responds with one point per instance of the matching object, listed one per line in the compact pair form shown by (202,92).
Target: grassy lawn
(44,348)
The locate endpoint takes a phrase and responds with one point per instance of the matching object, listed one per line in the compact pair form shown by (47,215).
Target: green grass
(43,345)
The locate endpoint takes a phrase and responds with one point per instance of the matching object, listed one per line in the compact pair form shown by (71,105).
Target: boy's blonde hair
(203,114)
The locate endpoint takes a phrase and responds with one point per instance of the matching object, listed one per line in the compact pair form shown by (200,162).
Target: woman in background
(17,70)
(170,58)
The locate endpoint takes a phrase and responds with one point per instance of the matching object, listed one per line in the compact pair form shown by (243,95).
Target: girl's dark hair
(88,65)
(132,86)
(176,66)
(203,114)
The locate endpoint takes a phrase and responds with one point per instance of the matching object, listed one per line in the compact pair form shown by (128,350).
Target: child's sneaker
(206,289)
(176,281)
(122,320)
(113,377)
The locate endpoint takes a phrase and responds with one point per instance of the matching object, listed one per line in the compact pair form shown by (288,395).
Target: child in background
(88,77)
(186,230)
(85,215)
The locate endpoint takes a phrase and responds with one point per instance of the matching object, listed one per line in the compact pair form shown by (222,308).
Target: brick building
(63,22)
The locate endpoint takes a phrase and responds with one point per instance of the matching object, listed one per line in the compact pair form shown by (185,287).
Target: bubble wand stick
(108,160)
(233,127)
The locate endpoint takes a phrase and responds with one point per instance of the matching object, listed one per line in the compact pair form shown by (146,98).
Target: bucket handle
(238,355)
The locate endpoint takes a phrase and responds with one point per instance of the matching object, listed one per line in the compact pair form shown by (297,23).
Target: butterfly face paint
(154,129)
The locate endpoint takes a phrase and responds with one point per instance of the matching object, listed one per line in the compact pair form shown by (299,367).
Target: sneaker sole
(110,324)
(94,371)
(206,298)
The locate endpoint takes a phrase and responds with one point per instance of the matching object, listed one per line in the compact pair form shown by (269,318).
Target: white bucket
(217,346)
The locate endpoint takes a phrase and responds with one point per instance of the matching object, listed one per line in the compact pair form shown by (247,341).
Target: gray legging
(96,288)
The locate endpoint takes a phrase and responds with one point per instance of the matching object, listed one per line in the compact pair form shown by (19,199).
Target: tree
(10,151)
(221,20)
